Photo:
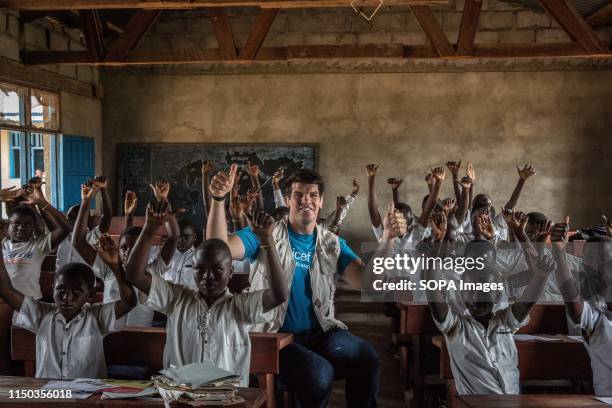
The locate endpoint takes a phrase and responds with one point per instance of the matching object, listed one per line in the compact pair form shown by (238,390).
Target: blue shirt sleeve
(250,242)
(346,256)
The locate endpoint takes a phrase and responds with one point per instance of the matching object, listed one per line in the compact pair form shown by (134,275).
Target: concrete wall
(559,121)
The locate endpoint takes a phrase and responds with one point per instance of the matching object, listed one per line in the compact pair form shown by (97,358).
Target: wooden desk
(528,401)
(144,346)
(254,397)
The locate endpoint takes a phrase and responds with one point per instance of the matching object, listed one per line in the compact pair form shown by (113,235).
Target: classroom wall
(559,121)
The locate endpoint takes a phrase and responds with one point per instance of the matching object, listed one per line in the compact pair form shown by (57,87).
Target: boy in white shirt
(24,253)
(180,270)
(65,251)
(591,309)
(208,323)
(70,332)
(480,342)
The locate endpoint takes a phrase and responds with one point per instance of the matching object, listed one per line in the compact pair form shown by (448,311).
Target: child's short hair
(306,177)
(78,270)
(536,217)
(404,208)
(479,247)
(133,231)
(214,244)
(23,210)
(186,223)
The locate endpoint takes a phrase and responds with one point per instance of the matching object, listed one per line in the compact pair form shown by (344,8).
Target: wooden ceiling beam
(224,34)
(92,28)
(433,31)
(574,25)
(260,29)
(133,32)
(601,18)
(192,4)
(469,26)
(146,57)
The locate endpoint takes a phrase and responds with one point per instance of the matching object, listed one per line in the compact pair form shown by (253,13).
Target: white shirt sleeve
(589,318)
(43,244)
(279,200)
(31,313)
(249,306)
(162,295)
(508,318)
(378,232)
(451,321)
(107,321)
(158,267)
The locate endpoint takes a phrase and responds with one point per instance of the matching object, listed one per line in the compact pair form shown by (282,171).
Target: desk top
(254,397)
(439,341)
(529,401)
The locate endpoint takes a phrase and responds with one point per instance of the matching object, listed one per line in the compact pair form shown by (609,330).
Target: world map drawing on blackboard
(181,165)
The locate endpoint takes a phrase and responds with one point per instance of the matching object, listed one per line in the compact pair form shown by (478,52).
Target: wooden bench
(416,323)
(529,401)
(565,359)
(144,346)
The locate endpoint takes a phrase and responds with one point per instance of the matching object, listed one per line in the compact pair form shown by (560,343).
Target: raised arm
(437,175)
(375,219)
(262,225)
(79,234)
(58,223)
(435,297)
(101,183)
(471,175)
(207,168)
(454,168)
(279,200)
(216,226)
(253,171)
(395,184)
(524,173)
(563,275)
(542,266)
(161,191)
(130,203)
(109,253)
(10,295)
(336,214)
(235,209)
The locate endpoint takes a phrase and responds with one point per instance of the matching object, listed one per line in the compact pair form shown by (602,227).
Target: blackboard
(181,165)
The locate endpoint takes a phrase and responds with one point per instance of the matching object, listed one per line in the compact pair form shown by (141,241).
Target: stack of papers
(198,384)
(83,388)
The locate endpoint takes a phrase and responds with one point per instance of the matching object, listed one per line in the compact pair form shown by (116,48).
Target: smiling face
(212,269)
(304,202)
(21,227)
(70,294)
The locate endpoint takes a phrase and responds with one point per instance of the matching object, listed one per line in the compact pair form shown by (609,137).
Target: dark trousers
(309,366)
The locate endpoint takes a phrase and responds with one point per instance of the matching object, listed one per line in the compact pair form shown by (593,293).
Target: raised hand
(108,251)
(438,224)
(448,205)
(438,173)
(33,192)
(371,170)
(100,182)
(394,223)
(130,202)
(454,167)
(484,225)
(262,225)
(207,167)
(278,176)
(466,182)
(394,182)
(252,169)
(158,212)
(470,172)
(558,233)
(223,182)
(526,172)
(88,190)
(236,208)
(161,189)
(9,194)
(608,225)
(429,179)
(340,203)
(355,187)
(543,229)
(545,263)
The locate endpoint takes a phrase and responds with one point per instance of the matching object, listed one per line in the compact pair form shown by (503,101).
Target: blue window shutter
(77,165)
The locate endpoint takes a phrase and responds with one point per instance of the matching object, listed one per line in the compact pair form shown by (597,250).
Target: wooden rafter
(601,17)
(433,31)
(260,29)
(574,25)
(92,28)
(191,4)
(132,34)
(224,34)
(197,55)
(469,26)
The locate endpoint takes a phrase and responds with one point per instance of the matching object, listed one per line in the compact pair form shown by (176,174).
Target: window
(44,110)
(15,154)
(12,105)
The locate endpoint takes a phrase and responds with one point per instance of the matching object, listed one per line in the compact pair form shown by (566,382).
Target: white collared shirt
(139,315)
(66,253)
(483,361)
(68,350)
(23,261)
(597,327)
(180,269)
(226,341)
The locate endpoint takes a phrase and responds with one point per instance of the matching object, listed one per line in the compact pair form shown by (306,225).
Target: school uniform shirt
(483,361)
(23,261)
(225,342)
(66,253)
(180,269)
(139,315)
(597,333)
(68,350)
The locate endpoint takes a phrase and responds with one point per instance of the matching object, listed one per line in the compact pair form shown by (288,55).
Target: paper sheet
(605,400)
